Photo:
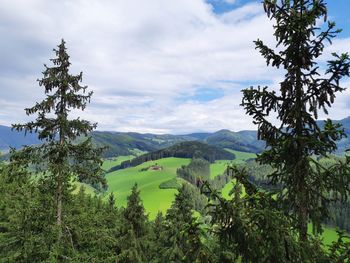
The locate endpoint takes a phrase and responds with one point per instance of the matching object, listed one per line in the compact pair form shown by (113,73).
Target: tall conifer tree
(59,157)
(182,234)
(133,239)
(298,137)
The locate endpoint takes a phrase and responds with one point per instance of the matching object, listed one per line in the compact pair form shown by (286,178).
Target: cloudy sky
(160,66)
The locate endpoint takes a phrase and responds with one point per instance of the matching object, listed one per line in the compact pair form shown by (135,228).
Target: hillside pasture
(148,181)
(218,167)
(241,156)
(114,161)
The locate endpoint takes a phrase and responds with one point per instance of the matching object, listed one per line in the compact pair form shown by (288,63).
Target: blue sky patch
(224,6)
(248,83)
(338,10)
(203,94)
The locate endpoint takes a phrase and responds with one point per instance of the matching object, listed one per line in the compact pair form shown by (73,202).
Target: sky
(155,66)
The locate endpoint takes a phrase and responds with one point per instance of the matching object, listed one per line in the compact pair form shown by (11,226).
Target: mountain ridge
(125,143)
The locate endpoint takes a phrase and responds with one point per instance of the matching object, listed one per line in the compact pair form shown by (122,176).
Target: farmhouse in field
(156,168)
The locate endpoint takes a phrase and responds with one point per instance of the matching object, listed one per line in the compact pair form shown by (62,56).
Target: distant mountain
(9,138)
(197,136)
(245,141)
(125,143)
(119,143)
(189,149)
(344,143)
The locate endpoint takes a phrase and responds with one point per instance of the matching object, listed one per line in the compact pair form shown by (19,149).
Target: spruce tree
(296,137)
(182,234)
(26,217)
(135,214)
(59,157)
(133,238)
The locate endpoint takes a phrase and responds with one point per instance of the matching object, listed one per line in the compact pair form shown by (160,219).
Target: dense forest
(292,184)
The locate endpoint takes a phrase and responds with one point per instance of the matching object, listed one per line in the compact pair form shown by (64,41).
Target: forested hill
(245,141)
(191,149)
(119,143)
(124,143)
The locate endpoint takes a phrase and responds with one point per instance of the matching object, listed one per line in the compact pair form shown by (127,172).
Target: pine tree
(157,238)
(298,137)
(59,157)
(135,214)
(25,217)
(133,238)
(182,235)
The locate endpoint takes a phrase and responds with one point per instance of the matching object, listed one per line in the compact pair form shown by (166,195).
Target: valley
(178,145)
(156,199)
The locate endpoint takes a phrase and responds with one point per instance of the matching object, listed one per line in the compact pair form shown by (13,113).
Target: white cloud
(138,57)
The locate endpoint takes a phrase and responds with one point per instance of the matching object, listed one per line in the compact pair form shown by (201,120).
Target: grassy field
(227,188)
(241,157)
(107,164)
(218,167)
(88,188)
(329,235)
(110,162)
(154,198)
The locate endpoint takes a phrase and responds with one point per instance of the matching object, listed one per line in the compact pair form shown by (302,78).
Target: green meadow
(87,188)
(111,162)
(218,167)
(241,157)
(154,198)
(329,234)
(107,164)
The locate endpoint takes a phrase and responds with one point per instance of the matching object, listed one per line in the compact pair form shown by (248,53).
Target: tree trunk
(303,223)
(59,206)
(60,172)
(302,210)
(302,163)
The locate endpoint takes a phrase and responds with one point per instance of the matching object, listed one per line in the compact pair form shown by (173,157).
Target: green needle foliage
(292,143)
(251,228)
(133,241)
(182,233)
(58,158)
